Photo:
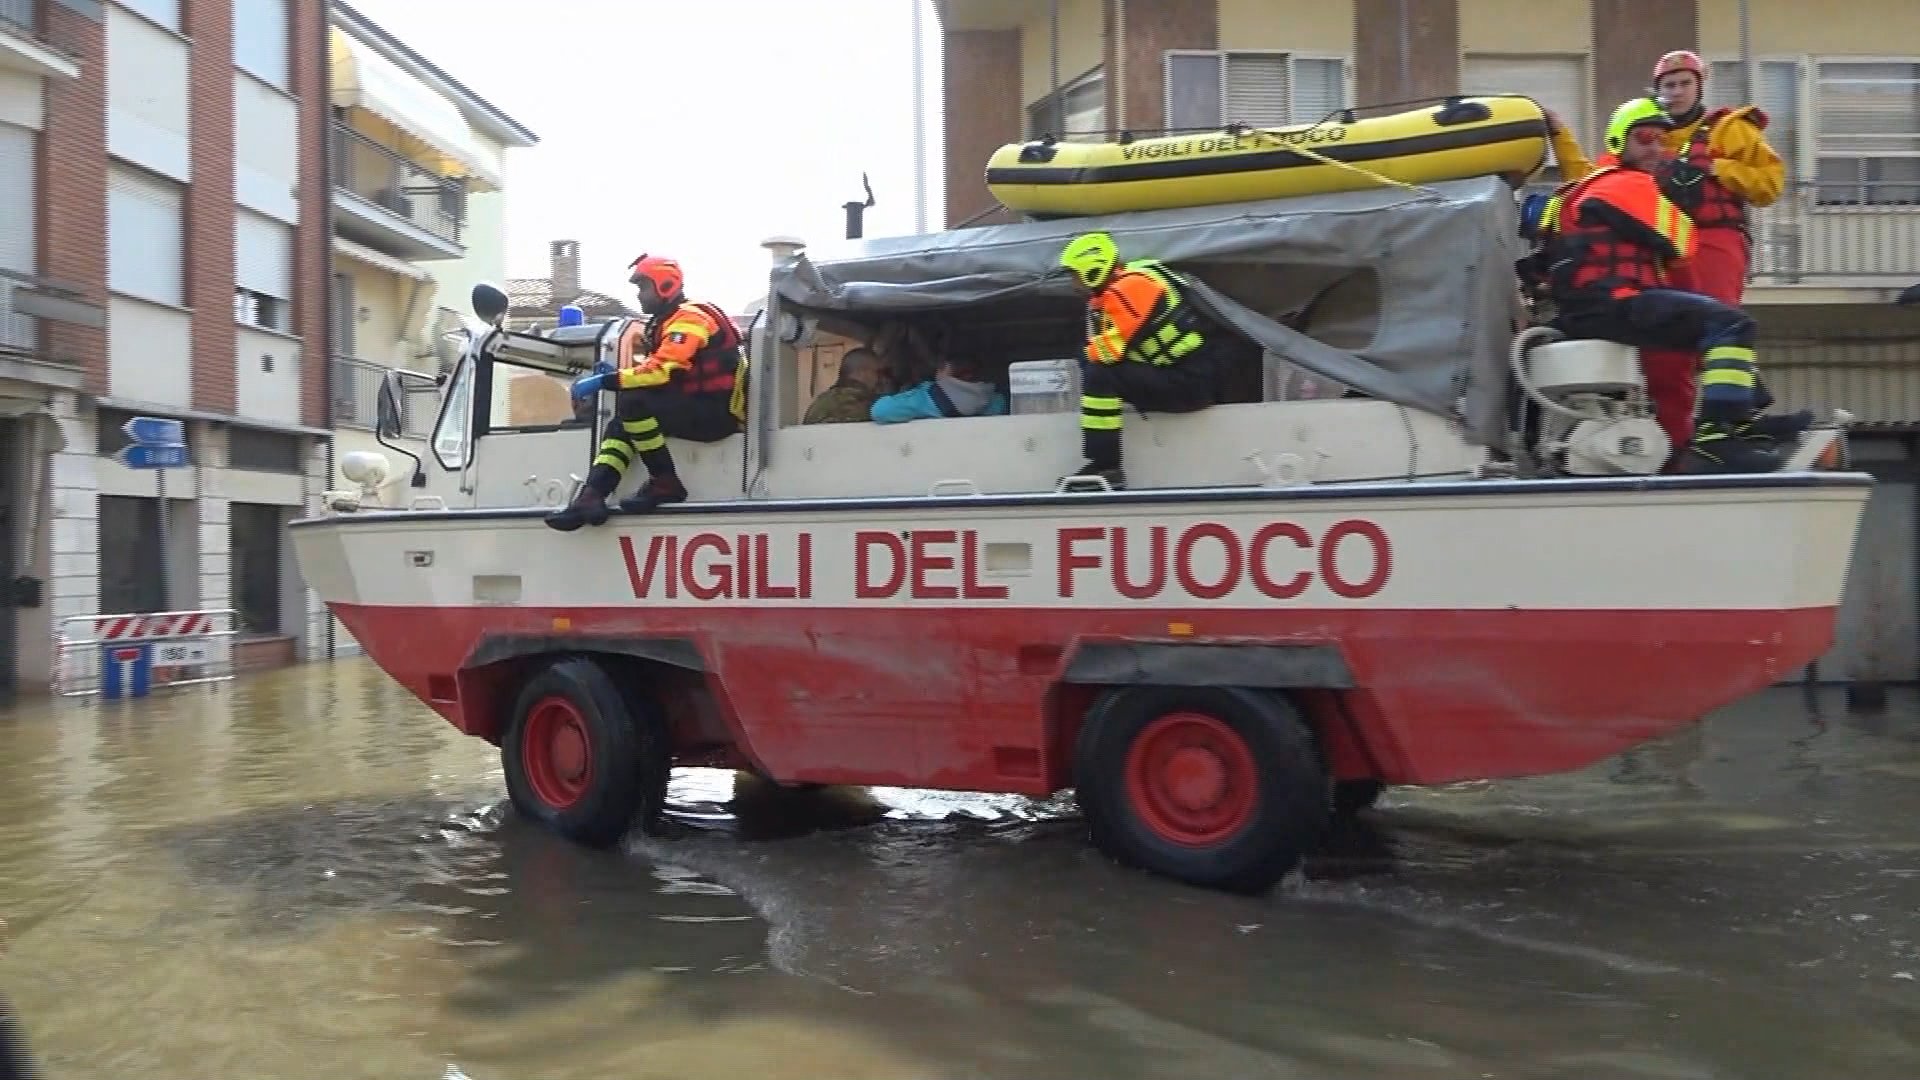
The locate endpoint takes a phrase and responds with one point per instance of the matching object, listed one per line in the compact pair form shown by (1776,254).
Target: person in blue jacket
(956,389)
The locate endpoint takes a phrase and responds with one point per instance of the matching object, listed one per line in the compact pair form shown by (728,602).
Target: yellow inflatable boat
(1504,135)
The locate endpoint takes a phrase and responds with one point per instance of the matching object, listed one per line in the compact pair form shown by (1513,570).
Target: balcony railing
(356,399)
(1825,233)
(387,179)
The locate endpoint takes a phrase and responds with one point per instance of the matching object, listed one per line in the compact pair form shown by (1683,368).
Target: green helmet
(1092,258)
(1641,110)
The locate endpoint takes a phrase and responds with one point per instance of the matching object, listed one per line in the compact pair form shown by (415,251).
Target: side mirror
(387,422)
(489,303)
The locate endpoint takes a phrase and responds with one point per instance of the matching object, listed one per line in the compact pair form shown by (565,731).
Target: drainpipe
(919,122)
(326,264)
(1053,70)
(1746,55)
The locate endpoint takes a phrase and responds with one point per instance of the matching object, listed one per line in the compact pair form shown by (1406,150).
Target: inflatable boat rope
(1315,155)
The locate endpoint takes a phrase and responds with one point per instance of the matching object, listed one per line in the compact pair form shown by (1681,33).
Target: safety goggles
(1647,136)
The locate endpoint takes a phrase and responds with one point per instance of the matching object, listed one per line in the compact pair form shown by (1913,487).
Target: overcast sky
(695,128)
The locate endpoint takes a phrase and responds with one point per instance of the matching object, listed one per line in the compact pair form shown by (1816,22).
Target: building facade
(162,257)
(1829,257)
(417,193)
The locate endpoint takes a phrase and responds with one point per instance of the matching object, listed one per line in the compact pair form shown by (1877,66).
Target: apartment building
(162,257)
(417,192)
(1843,94)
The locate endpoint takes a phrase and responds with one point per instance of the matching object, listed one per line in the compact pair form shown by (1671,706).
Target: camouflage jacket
(843,403)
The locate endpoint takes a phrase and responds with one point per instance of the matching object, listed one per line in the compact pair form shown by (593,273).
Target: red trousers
(1719,270)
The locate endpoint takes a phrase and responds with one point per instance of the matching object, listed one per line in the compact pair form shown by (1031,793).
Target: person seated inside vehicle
(958,388)
(863,375)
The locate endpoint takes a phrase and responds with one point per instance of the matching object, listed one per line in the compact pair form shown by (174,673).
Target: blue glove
(588,385)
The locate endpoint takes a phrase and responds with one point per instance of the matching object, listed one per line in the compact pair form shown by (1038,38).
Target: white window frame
(1584,122)
(1095,74)
(280,74)
(1810,87)
(123,287)
(1226,56)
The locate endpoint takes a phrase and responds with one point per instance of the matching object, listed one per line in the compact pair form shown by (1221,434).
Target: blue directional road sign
(155,442)
(126,670)
(153,456)
(155,430)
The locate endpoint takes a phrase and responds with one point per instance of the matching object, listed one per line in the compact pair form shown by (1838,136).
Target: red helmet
(663,272)
(1679,60)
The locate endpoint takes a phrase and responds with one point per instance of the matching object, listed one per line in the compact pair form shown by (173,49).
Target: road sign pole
(166,592)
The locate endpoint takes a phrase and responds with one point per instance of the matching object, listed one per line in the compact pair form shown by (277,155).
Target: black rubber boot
(1102,451)
(589,508)
(1785,429)
(658,491)
(1726,448)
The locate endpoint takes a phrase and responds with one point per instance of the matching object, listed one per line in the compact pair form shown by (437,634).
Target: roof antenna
(856,211)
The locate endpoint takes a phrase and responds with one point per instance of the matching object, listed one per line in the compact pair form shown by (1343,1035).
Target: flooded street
(307,874)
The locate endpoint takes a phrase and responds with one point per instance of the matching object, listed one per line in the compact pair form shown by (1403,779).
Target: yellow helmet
(1091,257)
(1641,110)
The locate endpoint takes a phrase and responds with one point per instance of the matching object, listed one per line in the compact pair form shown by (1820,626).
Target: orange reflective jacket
(697,340)
(1141,316)
(1616,234)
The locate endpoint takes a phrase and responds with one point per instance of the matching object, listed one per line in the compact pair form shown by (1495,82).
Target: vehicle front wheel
(578,759)
(1217,787)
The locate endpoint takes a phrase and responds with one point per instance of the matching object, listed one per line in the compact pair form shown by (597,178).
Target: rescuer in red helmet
(687,386)
(1722,165)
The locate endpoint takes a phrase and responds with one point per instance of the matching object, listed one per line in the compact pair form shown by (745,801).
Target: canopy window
(401,111)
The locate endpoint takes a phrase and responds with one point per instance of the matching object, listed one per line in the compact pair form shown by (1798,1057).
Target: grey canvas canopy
(1404,295)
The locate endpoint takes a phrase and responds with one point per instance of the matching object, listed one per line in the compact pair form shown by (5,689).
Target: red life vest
(1591,257)
(716,365)
(1717,206)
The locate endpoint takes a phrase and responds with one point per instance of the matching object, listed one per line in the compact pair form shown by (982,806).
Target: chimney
(783,247)
(564,272)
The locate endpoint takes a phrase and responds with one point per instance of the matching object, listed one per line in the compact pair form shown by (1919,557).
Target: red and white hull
(1490,629)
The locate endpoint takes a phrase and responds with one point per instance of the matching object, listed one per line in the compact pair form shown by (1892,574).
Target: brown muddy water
(307,874)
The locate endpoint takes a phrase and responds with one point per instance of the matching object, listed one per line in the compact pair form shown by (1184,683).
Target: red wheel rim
(557,752)
(1192,779)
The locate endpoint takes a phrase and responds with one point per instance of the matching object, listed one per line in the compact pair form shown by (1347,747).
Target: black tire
(623,750)
(1269,803)
(1352,796)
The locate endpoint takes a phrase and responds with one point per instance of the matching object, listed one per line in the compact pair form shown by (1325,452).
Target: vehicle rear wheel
(1217,787)
(579,758)
(1352,796)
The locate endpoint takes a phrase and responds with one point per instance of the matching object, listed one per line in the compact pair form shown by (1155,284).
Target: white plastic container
(1043,386)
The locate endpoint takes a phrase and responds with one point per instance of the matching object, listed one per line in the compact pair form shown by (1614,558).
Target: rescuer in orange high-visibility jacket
(1147,346)
(688,385)
(1615,243)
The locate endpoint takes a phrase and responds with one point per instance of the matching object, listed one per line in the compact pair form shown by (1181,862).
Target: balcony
(1853,235)
(392,204)
(23,50)
(356,399)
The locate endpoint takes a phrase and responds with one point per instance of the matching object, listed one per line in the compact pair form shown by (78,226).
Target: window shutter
(1869,125)
(1776,89)
(1319,89)
(145,256)
(17,146)
(260,39)
(262,255)
(1193,91)
(1556,82)
(1257,90)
